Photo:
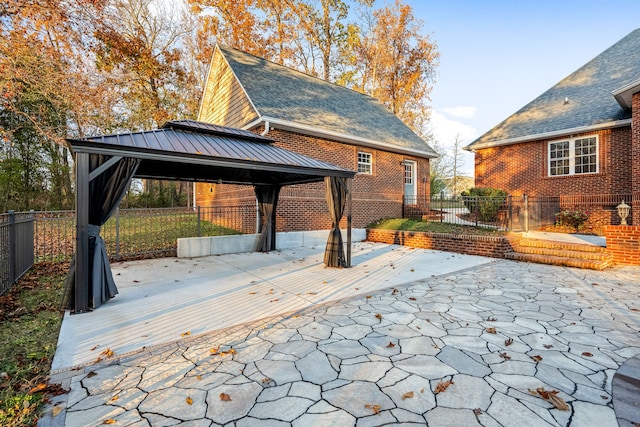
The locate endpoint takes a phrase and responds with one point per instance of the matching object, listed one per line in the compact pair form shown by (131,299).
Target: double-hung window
(364,163)
(574,156)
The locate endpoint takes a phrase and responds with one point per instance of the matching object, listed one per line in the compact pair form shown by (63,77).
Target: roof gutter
(624,94)
(545,135)
(337,136)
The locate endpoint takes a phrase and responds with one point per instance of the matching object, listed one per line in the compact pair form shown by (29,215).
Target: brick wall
(523,168)
(304,207)
(490,246)
(623,242)
(635,156)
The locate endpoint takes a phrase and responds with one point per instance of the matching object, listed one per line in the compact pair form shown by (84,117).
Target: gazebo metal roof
(196,151)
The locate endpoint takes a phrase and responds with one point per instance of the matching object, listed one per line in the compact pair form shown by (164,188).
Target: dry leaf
(477,411)
(274,300)
(379,316)
(491,319)
(36,389)
(375,408)
(225,397)
(547,346)
(214,350)
(551,396)
(199,377)
(56,411)
(99,359)
(94,347)
(442,386)
(412,270)
(490,330)
(228,352)
(412,298)
(536,358)
(114,398)
(368,296)
(390,345)
(252,293)
(189,400)
(407,395)
(109,421)
(91,374)
(587,354)
(266,380)
(505,356)
(184,334)
(108,352)
(508,341)
(395,291)
(634,309)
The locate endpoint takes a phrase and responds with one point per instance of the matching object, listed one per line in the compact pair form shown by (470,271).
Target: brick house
(320,120)
(579,140)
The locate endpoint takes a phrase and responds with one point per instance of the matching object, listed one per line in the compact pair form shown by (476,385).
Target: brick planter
(623,242)
(490,246)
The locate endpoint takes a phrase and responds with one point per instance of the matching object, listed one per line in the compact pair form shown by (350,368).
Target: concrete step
(562,261)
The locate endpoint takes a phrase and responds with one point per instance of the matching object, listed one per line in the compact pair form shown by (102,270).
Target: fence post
(118,233)
(199,221)
(12,246)
(510,210)
(442,206)
(526,213)
(477,204)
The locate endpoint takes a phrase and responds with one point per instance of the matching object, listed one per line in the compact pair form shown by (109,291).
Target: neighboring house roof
(593,97)
(291,100)
(187,149)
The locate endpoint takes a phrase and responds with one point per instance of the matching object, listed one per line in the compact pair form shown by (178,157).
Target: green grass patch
(30,322)
(406,224)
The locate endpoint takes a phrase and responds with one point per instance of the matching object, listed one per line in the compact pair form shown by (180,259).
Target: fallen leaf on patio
(604,397)
(490,330)
(390,345)
(312,293)
(395,291)
(189,401)
(199,377)
(442,386)
(184,334)
(587,354)
(407,395)
(375,408)
(379,316)
(230,351)
(114,398)
(547,346)
(109,421)
(412,270)
(505,356)
(634,309)
(214,350)
(421,390)
(551,396)
(225,397)
(94,347)
(252,293)
(536,358)
(412,298)
(491,319)
(274,300)
(508,341)
(266,380)
(136,281)
(324,282)
(108,352)
(56,411)
(91,374)
(477,411)
(368,296)
(36,389)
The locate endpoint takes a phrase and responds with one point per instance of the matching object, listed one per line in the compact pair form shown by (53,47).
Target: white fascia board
(337,136)
(624,94)
(552,134)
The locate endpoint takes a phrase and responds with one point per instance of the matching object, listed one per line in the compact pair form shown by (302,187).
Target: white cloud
(463,112)
(445,130)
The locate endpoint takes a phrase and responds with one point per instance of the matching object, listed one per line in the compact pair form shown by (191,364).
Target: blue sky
(496,56)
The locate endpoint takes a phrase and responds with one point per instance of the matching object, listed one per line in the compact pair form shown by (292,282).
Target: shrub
(575,219)
(487,200)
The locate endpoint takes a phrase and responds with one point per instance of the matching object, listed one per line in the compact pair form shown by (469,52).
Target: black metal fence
(16,247)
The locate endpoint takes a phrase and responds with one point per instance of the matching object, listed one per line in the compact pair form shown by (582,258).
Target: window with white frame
(575,156)
(364,163)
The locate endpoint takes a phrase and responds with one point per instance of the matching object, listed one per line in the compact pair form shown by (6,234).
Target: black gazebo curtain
(336,193)
(267,196)
(105,193)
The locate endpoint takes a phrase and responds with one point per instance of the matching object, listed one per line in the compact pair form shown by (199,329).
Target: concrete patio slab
(167,299)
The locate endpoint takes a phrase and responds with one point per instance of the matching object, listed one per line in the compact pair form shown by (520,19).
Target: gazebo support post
(82,234)
(349,202)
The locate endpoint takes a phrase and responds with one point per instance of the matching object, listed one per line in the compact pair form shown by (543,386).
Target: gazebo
(191,151)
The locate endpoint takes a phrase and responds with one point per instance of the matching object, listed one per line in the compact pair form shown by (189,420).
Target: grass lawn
(29,326)
(406,224)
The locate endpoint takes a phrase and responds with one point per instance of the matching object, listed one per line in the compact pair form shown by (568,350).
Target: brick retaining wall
(490,246)
(623,242)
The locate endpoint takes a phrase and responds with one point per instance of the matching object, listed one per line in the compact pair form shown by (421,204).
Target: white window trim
(370,164)
(572,156)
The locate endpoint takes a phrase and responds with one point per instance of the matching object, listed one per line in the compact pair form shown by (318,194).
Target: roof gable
(282,95)
(580,101)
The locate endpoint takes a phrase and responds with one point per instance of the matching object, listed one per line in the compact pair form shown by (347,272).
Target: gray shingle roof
(588,92)
(282,93)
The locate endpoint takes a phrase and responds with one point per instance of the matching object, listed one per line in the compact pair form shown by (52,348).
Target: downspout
(266,128)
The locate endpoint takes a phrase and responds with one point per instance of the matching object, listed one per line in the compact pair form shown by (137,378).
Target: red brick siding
(489,246)
(304,207)
(635,156)
(623,242)
(523,168)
